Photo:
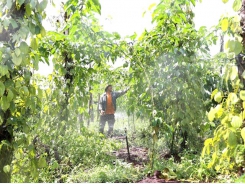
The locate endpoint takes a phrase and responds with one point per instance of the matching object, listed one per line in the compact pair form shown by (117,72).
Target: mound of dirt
(137,156)
(156,180)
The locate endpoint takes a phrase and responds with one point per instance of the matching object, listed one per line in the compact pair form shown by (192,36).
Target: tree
(25,43)
(20,21)
(168,68)
(227,144)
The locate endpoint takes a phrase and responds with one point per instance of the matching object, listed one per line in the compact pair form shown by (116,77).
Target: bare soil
(138,157)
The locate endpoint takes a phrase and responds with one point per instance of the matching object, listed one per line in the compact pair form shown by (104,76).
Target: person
(107,108)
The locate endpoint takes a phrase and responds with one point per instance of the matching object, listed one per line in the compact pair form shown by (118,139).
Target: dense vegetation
(184,106)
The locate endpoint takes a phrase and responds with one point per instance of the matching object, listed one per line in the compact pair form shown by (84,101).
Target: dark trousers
(110,118)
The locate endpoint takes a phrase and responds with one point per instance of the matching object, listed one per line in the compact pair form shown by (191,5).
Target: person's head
(108,88)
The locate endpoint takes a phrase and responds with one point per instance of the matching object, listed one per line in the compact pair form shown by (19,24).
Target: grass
(118,172)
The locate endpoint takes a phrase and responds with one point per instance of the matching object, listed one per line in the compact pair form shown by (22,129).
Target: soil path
(139,158)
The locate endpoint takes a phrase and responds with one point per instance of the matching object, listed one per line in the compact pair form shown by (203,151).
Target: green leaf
(233,46)
(4,103)
(33,3)
(55,165)
(236,121)
(214,93)
(20,2)
(234,72)
(193,2)
(28,9)
(16,60)
(32,27)
(232,140)
(2,88)
(24,47)
(36,62)
(151,6)
(95,5)
(40,93)
(238,47)
(133,36)
(9,4)
(242,94)
(219,111)
(230,45)
(17,155)
(43,31)
(4,70)
(10,95)
(6,168)
(24,91)
(17,52)
(232,97)
(243,134)
(13,23)
(225,120)
(224,24)
(218,97)
(34,43)
(37,29)
(41,6)
(6,22)
(211,114)
(225,1)
(155,138)
(237,4)
(42,162)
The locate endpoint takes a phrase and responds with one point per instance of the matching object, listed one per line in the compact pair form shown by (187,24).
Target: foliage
(227,144)
(164,65)
(170,73)
(119,172)
(56,159)
(190,169)
(21,29)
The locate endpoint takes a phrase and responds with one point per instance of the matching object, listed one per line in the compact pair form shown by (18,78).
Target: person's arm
(100,106)
(120,93)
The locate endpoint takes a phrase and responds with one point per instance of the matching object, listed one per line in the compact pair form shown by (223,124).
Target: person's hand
(102,112)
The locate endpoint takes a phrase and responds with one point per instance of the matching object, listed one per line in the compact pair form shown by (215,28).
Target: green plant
(118,173)
(226,146)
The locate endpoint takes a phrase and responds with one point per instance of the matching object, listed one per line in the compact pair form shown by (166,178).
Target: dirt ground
(138,157)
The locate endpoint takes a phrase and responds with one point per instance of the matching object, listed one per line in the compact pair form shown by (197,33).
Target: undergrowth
(85,156)
(118,172)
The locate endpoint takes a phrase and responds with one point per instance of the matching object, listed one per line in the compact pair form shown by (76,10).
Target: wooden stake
(127,143)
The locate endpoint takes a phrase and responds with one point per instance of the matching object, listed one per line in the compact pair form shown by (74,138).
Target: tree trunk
(69,76)
(90,107)
(6,151)
(240,59)
(6,154)
(221,43)
(183,145)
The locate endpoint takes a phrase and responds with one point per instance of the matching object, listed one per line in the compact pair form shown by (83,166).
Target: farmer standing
(107,108)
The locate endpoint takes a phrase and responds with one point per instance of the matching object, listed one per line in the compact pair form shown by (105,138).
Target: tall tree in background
(168,72)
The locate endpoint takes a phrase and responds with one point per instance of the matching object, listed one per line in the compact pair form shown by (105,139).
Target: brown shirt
(109,104)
